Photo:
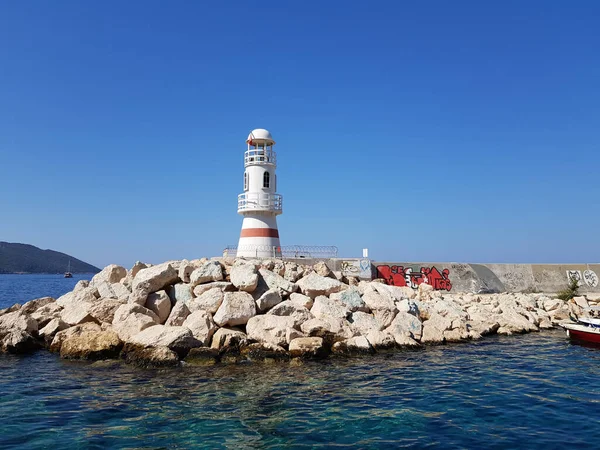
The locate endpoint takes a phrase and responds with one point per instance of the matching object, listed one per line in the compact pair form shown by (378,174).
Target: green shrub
(571,291)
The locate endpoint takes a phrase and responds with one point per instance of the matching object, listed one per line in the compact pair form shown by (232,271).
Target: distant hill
(24,258)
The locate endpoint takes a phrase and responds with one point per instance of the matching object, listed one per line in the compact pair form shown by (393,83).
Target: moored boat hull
(582,333)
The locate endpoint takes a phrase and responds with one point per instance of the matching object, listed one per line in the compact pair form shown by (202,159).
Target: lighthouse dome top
(260,135)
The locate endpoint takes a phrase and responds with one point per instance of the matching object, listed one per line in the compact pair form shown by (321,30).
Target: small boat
(68,273)
(583,331)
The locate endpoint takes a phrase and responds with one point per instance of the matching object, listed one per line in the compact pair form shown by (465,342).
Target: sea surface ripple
(530,391)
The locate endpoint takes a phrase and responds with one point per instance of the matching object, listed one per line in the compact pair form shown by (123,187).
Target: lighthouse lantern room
(259,204)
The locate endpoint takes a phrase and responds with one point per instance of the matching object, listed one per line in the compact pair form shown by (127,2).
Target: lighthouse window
(245,181)
(266,180)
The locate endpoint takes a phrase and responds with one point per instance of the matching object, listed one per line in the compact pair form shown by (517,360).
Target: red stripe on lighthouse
(259,232)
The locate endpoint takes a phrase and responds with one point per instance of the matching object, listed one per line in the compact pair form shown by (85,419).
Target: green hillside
(24,258)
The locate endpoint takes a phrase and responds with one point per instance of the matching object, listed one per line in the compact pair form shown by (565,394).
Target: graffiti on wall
(412,277)
(589,277)
(357,268)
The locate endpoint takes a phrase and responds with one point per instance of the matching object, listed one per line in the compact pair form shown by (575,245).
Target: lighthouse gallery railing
(257,201)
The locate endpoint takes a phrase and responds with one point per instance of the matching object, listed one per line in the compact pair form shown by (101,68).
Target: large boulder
(51,328)
(228,339)
(405,325)
(110,274)
(268,300)
(160,304)
(77,313)
(104,309)
(396,293)
(209,271)
(151,280)
(314,285)
(381,340)
(351,298)
(202,326)
(363,323)
(33,305)
(85,295)
(225,286)
(244,277)
(321,269)
(271,329)
(17,321)
(308,347)
(237,308)
(181,293)
(511,322)
(270,280)
(331,329)
(202,356)
(353,347)
(290,309)
(130,319)
(88,344)
(18,341)
(149,357)
(327,307)
(434,328)
(209,301)
(185,270)
(178,314)
(63,335)
(113,290)
(378,302)
(263,351)
(302,300)
(178,339)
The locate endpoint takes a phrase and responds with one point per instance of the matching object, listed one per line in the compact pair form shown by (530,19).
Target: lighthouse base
(259,237)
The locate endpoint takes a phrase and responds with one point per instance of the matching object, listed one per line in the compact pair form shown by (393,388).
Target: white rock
(376,301)
(307,347)
(270,329)
(397,293)
(130,318)
(363,323)
(178,314)
(209,301)
(160,304)
(353,346)
(46,313)
(244,277)
(302,300)
(53,327)
(151,280)
(33,305)
(177,339)
(236,309)
(112,290)
(269,299)
(405,325)
(552,303)
(321,269)
(222,285)
(104,309)
(314,285)
(185,270)
(17,321)
(290,309)
(326,307)
(270,280)
(110,274)
(408,306)
(181,292)
(228,338)
(85,295)
(81,284)
(351,298)
(77,313)
(201,325)
(209,271)
(581,302)
(381,340)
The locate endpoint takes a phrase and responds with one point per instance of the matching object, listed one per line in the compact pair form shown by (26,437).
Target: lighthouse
(259,204)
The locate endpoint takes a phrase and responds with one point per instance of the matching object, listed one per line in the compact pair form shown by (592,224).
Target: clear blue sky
(425,131)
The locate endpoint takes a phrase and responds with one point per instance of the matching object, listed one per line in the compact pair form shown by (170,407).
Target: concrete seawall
(475,278)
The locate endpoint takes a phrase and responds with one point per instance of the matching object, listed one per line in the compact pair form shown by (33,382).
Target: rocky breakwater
(206,311)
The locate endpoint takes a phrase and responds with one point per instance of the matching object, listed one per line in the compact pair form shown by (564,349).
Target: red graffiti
(401,276)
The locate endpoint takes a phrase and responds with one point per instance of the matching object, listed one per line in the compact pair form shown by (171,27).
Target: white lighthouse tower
(259,204)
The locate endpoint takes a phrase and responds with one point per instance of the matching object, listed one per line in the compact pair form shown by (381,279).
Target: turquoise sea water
(531,391)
